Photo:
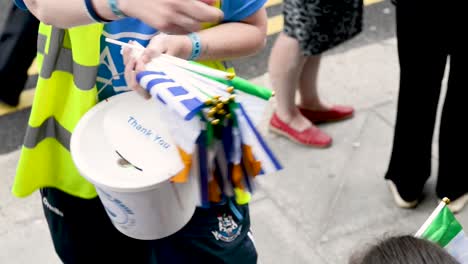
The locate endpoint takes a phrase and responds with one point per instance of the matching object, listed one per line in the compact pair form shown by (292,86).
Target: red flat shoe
(335,113)
(311,136)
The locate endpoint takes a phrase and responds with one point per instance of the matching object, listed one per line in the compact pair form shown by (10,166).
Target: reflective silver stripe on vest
(41,43)
(59,58)
(50,128)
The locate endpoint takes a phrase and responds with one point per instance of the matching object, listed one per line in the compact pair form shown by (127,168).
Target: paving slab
(278,241)
(324,206)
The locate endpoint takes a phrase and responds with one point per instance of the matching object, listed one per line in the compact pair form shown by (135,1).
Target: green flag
(444,229)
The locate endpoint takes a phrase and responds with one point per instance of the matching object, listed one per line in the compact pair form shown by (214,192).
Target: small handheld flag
(444,229)
(209,125)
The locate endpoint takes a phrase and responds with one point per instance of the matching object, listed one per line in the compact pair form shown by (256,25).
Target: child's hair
(404,249)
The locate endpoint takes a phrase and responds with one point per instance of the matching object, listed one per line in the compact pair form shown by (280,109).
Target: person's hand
(174,45)
(131,69)
(173,16)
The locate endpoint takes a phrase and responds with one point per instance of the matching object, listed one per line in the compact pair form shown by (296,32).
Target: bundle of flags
(443,229)
(212,116)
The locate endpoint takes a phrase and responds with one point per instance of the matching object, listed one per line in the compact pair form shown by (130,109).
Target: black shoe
(397,197)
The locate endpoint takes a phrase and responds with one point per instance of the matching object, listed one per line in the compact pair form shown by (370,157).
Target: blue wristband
(196,46)
(20,4)
(92,13)
(114,6)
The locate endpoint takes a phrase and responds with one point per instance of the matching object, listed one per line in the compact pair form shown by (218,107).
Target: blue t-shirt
(110,80)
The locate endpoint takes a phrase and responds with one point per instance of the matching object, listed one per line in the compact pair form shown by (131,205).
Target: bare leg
(285,66)
(310,98)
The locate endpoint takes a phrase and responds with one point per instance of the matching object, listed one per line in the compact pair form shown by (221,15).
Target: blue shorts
(83,233)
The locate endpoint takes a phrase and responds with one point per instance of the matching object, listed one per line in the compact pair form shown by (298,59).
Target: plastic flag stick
(181,62)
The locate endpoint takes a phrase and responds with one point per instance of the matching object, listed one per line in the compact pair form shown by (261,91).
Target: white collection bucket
(124,148)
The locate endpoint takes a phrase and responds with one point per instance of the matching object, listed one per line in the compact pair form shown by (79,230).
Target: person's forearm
(175,16)
(233,40)
(67,13)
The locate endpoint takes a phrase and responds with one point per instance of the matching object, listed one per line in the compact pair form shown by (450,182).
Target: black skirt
(319,25)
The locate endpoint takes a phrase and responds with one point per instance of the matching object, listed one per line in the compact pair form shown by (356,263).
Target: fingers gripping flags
(230,151)
(184,101)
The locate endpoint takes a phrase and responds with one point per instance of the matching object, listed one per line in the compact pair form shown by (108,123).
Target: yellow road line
(371,2)
(270,3)
(33,68)
(275,25)
(273,3)
(26,101)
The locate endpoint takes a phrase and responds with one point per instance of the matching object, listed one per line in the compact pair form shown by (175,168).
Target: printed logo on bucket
(117,211)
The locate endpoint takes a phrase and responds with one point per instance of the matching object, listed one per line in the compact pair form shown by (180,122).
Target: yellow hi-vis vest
(68,61)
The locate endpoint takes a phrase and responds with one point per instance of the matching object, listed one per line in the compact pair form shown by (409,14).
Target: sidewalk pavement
(325,204)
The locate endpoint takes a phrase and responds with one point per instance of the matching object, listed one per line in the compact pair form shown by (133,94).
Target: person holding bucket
(78,69)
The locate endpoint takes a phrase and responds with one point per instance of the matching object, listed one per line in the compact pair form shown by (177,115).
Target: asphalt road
(378,26)
(326,204)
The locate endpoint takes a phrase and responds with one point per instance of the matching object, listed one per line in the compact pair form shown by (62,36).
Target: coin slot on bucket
(124,163)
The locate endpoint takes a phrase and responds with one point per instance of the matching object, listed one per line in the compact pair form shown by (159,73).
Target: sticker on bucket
(117,211)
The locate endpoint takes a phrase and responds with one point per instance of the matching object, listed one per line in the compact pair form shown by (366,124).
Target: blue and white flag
(177,97)
(252,138)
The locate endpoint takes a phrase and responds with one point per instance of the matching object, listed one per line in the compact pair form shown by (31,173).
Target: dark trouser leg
(82,233)
(452,181)
(213,235)
(422,59)
(18,49)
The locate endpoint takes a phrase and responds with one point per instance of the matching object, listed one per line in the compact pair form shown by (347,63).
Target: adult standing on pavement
(311,27)
(424,44)
(18,49)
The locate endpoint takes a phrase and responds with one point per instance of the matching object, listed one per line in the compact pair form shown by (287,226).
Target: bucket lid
(122,144)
